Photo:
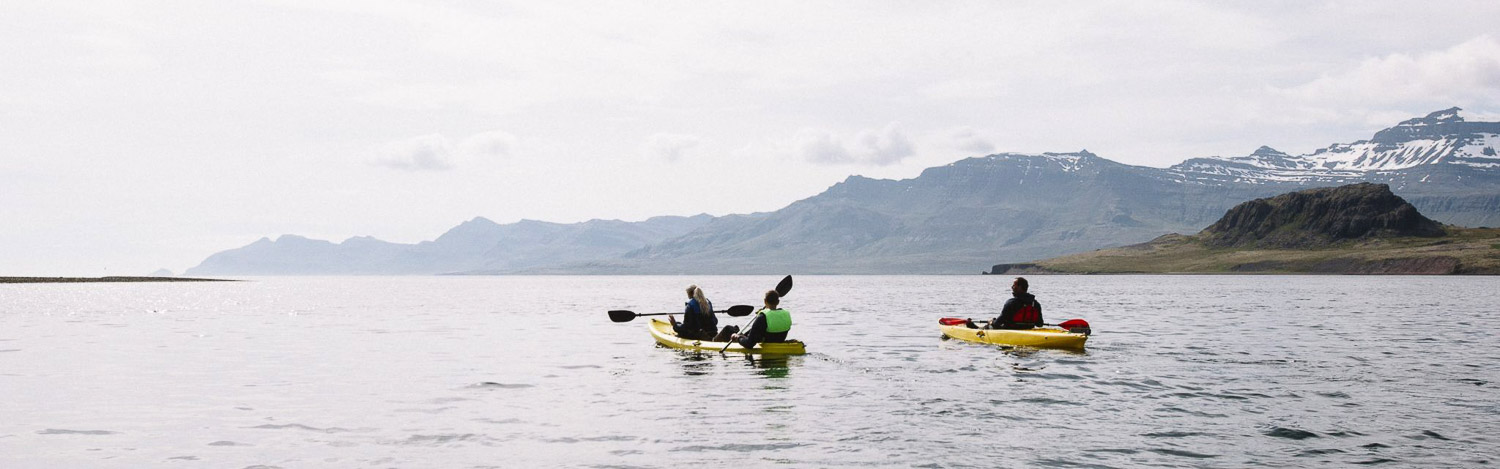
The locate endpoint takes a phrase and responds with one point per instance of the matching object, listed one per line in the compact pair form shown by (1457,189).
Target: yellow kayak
(662,332)
(1039,338)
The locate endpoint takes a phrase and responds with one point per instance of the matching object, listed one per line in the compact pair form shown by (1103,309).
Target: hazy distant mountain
(475,246)
(958,218)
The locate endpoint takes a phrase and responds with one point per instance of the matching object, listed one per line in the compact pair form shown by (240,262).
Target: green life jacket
(778,320)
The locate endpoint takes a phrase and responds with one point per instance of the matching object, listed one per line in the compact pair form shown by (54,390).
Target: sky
(143,135)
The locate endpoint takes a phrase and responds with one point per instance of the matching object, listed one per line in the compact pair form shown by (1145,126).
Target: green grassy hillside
(1458,251)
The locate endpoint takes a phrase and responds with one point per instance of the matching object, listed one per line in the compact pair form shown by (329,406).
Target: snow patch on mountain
(1439,138)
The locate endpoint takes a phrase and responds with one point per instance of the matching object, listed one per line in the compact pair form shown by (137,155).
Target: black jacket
(697,322)
(1008,314)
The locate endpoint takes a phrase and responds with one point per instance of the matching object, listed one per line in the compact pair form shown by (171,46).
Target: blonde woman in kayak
(771,324)
(698,321)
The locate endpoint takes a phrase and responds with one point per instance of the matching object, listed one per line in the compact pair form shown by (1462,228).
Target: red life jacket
(1027,315)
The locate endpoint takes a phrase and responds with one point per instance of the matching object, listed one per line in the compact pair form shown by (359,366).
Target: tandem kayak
(662,332)
(1039,338)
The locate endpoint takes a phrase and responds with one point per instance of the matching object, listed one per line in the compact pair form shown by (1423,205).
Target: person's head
(772,299)
(691,289)
(1019,286)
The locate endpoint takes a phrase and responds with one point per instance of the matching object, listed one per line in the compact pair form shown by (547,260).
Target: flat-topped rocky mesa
(1317,217)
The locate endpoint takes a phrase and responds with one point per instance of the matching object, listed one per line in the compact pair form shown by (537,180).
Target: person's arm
(1007,314)
(754,333)
(687,317)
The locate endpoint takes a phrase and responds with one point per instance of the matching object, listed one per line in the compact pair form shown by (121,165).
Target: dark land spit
(106,279)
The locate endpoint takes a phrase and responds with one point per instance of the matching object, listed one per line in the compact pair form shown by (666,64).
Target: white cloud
(671,147)
(489,144)
(424,153)
(1465,73)
(819,147)
(967,140)
(434,152)
(869,147)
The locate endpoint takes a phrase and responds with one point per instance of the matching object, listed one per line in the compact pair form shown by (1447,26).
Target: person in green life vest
(770,325)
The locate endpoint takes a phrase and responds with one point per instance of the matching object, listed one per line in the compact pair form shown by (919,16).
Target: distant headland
(1352,229)
(106,279)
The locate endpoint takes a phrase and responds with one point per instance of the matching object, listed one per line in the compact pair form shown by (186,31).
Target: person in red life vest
(1020,312)
(771,324)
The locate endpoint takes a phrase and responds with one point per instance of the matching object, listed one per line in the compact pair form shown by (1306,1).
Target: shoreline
(112,279)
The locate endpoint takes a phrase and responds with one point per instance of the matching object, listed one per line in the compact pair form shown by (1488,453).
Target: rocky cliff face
(1316,217)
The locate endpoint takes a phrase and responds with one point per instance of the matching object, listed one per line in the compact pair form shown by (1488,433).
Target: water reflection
(696,363)
(770,366)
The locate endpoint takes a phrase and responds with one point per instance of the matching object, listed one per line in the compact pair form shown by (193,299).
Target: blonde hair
(703,304)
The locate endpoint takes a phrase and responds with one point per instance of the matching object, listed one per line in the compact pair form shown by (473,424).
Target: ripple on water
(738,447)
(298,426)
(1318,452)
(1429,434)
(1375,461)
(494,385)
(1172,434)
(448,439)
(228,443)
(1185,454)
(63,431)
(1037,400)
(1054,462)
(1179,410)
(1290,433)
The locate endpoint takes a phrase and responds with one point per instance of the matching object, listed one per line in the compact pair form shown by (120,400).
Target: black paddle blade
(620,315)
(740,310)
(784,287)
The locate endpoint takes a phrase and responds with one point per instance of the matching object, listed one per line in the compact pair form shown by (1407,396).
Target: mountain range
(957,218)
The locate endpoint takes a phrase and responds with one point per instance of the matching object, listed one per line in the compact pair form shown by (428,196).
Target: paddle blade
(784,287)
(620,315)
(953,321)
(740,310)
(1073,323)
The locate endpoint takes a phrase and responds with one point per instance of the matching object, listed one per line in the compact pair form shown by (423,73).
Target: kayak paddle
(782,288)
(621,315)
(1068,325)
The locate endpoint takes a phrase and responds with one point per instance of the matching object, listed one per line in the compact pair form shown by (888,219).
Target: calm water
(1183,371)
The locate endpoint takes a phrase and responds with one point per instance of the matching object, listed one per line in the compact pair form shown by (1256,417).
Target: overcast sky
(143,135)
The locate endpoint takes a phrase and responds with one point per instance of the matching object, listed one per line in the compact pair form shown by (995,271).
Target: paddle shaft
(987,322)
(664,314)
(1064,324)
